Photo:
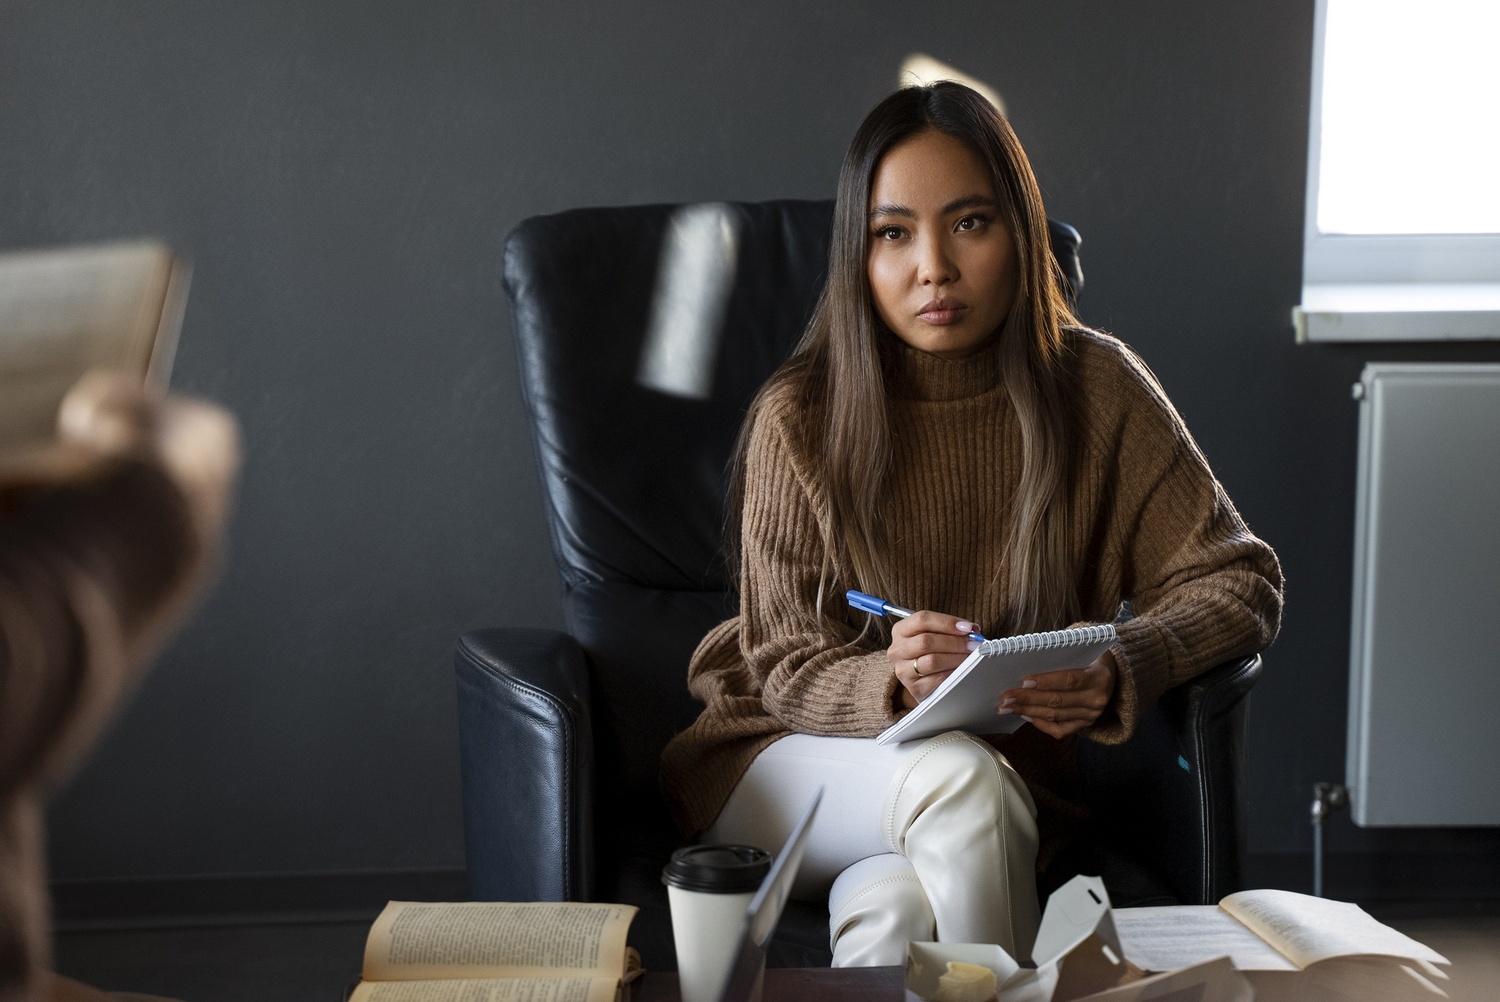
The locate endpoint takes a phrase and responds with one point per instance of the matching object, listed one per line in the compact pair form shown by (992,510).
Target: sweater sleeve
(811,668)
(1204,588)
(84,568)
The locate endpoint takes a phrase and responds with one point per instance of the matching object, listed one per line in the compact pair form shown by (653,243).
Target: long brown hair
(840,369)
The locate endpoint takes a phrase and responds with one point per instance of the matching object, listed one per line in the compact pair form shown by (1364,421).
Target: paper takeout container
(926,962)
(1077,952)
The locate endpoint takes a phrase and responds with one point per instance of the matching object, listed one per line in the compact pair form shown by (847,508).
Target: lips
(941,312)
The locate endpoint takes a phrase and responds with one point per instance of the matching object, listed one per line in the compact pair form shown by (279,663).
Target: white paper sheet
(1164,939)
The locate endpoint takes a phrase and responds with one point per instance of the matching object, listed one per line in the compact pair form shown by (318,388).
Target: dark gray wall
(343,175)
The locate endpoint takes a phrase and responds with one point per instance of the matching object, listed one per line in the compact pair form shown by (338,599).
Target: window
(1403,209)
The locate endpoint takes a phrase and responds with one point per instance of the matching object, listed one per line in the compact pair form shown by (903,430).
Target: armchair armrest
(1172,795)
(1210,713)
(526,758)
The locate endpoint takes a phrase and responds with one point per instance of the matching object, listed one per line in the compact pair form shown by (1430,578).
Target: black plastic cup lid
(717,869)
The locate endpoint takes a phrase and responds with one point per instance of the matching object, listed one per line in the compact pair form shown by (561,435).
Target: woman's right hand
(925,648)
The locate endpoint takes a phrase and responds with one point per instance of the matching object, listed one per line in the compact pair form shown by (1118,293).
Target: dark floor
(316,962)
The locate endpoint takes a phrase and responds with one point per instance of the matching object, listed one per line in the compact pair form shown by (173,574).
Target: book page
(494,990)
(1165,939)
(64,312)
(416,941)
(1308,929)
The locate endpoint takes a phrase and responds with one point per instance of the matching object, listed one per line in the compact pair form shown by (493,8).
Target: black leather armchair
(561,731)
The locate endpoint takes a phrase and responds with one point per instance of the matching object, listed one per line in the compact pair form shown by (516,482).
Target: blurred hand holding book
(68,311)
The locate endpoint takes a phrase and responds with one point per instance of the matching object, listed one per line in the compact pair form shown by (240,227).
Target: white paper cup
(709,888)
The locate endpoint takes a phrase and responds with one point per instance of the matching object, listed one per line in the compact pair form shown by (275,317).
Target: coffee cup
(709,888)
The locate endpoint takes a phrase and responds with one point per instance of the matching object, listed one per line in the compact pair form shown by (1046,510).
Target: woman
(949,437)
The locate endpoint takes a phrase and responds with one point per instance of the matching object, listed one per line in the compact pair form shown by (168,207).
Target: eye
(889,233)
(970,223)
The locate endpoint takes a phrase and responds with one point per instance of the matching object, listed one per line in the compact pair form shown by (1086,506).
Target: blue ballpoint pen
(880,607)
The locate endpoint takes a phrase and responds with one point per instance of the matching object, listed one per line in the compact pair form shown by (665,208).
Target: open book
(1275,945)
(1289,945)
(969,698)
(63,312)
(482,951)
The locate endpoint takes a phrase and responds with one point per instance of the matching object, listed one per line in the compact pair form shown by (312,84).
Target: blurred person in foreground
(97,566)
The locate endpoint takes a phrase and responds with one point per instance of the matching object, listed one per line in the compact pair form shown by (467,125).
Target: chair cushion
(1130,884)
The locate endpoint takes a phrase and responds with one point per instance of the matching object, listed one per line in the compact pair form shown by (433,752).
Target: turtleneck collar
(920,376)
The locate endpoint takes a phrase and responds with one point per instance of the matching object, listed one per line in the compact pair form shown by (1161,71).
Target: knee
(956,786)
(958,766)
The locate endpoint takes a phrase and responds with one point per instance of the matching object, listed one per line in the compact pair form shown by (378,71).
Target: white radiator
(1424,679)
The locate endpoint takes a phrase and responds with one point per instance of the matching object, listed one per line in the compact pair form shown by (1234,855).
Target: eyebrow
(966,202)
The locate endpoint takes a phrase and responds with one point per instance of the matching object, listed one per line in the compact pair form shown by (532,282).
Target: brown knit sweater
(1150,524)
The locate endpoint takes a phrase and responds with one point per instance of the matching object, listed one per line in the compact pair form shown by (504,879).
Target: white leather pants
(928,839)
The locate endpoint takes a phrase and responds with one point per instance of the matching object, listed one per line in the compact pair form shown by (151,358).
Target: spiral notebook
(968,698)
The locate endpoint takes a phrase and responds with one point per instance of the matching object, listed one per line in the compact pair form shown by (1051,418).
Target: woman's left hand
(1060,703)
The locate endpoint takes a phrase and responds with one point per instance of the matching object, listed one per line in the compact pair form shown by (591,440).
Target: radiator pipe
(1327,798)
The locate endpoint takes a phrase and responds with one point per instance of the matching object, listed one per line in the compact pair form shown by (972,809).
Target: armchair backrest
(634,479)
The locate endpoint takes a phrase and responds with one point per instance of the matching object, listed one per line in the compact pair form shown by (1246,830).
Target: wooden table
(798,984)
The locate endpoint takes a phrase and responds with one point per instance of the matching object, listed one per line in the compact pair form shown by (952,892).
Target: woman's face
(942,265)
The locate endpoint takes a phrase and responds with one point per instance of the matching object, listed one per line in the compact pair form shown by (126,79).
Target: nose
(935,263)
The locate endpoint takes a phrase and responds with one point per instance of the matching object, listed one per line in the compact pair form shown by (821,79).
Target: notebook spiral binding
(1081,636)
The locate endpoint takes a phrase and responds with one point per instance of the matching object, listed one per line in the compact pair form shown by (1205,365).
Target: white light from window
(1410,117)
